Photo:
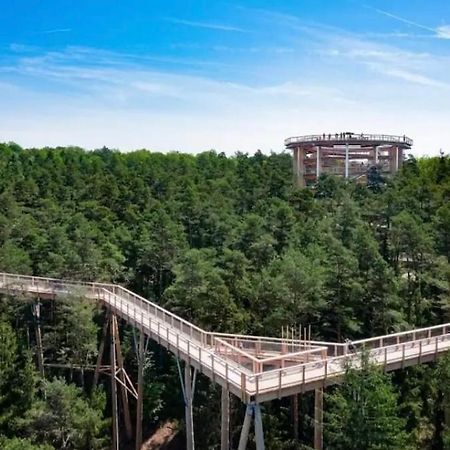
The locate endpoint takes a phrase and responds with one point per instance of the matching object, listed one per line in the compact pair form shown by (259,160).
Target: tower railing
(349,137)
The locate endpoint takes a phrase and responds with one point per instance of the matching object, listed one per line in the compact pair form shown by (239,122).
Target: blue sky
(232,75)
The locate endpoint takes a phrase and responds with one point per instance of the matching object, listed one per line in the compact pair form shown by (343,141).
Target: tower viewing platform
(349,155)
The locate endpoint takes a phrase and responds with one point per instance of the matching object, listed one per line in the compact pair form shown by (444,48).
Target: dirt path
(166,437)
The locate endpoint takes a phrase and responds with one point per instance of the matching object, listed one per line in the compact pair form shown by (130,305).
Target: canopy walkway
(254,368)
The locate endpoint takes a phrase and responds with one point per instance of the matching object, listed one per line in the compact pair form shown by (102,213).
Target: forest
(230,244)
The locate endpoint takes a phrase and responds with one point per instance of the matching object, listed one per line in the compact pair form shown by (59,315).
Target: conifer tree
(362,412)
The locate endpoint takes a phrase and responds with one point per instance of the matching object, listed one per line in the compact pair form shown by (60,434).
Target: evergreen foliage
(230,244)
(364,412)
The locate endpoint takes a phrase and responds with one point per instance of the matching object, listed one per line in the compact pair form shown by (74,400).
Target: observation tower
(348,155)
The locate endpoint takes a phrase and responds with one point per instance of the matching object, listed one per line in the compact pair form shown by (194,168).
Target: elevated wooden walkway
(254,368)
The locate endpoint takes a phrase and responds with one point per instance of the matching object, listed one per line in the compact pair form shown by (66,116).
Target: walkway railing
(390,356)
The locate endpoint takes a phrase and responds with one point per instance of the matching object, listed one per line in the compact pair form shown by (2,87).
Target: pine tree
(362,413)
(21,444)
(443,376)
(17,379)
(65,419)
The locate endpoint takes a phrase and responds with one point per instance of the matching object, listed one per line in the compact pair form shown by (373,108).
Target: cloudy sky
(233,75)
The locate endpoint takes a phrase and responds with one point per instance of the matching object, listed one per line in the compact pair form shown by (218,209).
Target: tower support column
(318,161)
(346,159)
(295,166)
(392,159)
(299,166)
(400,158)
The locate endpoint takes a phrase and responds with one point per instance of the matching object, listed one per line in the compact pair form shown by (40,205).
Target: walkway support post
(246,427)
(140,390)
(115,418)
(121,370)
(447,415)
(188,407)
(38,334)
(259,433)
(225,420)
(294,412)
(101,351)
(253,410)
(318,419)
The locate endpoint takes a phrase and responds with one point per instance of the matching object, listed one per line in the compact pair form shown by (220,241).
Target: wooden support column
(318,419)
(115,416)
(294,413)
(446,414)
(253,411)
(259,433)
(121,374)
(140,390)
(400,158)
(301,167)
(246,428)
(392,159)
(318,161)
(346,160)
(101,351)
(38,334)
(188,407)
(225,420)
(295,166)
(298,161)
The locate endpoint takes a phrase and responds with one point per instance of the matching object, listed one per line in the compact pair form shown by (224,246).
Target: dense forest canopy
(230,244)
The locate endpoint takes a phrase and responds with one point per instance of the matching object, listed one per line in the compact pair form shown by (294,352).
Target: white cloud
(55,30)
(422,68)
(415,78)
(440,32)
(443,31)
(92,98)
(208,25)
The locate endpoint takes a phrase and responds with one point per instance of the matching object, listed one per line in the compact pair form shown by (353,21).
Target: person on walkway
(350,346)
